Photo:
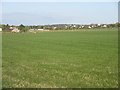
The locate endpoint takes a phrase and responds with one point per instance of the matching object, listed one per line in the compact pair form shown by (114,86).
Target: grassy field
(66,59)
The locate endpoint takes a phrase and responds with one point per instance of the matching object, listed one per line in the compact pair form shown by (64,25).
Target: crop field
(64,59)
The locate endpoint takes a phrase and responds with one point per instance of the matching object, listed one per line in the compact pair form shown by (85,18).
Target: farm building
(15,30)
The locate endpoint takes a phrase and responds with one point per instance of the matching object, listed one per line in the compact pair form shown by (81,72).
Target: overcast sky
(35,13)
(60,0)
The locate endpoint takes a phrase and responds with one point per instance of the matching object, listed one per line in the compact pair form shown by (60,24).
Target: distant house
(98,25)
(80,27)
(0,29)
(15,30)
(11,28)
(104,26)
(89,27)
(83,26)
(40,29)
(93,26)
(32,29)
(74,26)
(54,28)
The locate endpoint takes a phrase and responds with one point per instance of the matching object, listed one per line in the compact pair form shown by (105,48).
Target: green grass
(77,59)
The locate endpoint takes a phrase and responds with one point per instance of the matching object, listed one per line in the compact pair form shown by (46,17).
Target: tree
(112,25)
(21,27)
(35,27)
(5,27)
(25,29)
(117,24)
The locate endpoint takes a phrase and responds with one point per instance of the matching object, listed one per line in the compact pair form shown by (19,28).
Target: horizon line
(58,24)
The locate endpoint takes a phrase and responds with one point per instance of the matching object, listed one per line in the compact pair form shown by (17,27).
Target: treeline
(24,28)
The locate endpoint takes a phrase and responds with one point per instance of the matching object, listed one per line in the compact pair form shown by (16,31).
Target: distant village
(21,28)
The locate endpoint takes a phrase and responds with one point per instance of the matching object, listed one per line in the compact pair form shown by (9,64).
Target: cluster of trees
(114,25)
(23,28)
(77,26)
(71,26)
(5,27)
